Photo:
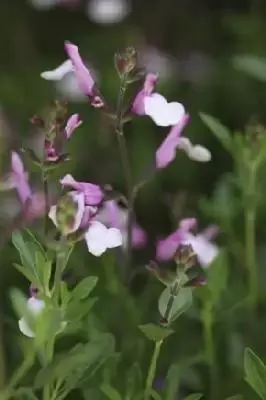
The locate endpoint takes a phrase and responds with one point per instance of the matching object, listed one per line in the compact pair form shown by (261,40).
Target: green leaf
(254,66)
(34,240)
(65,295)
(32,257)
(182,302)
(94,394)
(194,396)
(255,373)
(154,395)
(48,324)
(77,311)
(219,131)
(83,289)
(24,393)
(155,332)
(172,381)
(27,257)
(19,302)
(27,273)
(235,397)
(110,392)
(217,276)
(43,270)
(78,365)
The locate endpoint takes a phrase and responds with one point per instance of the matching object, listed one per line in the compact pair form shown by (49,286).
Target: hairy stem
(125,165)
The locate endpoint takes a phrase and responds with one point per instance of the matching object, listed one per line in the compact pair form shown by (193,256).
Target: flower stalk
(125,164)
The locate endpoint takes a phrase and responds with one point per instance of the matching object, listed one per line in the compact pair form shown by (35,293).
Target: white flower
(59,72)
(162,112)
(69,88)
(107,11)
(35,307)
(99,238)
(196,153)
(205,250)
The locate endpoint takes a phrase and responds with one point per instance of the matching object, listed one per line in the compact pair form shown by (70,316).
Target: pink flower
(147,90)
(114,216)
(72,124)
(166,248)
(98,237)
(93,193)
(32,203)
(202,245)
(84,78)
(147,102)
(19,178)
(51,148)
(166,152)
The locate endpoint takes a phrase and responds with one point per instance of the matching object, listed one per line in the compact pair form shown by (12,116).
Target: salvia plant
(81,338)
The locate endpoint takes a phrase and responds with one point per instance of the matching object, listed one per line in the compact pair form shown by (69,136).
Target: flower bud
(126,62)
(185,256)
(66,212)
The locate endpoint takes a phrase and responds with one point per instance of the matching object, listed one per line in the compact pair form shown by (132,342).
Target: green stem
(152,369)
(250,217)
(207,321)
(125,164)
(250,240)
(18,375)
(2,356)
(46,200)
(153,364)
(62,257)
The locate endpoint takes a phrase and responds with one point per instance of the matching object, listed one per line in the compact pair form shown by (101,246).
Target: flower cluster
(77,211)
(92,212)
(85,196)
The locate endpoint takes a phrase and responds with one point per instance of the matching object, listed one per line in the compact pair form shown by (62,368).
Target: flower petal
(84,78)
(58,73)
(196,153)
(148,88)
(205,250)
(24,328)
(166,152)
(35,306)
(162,112)
(79,199)
(96,238)
(20,179)
(114,238)
(52,215)
(166,248)
(186,145)
(187,224)
(176,112)
(72,124)
(200,153)
(93,193)
(99,238)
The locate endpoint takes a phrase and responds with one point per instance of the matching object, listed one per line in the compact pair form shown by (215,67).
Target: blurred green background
(190,44)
